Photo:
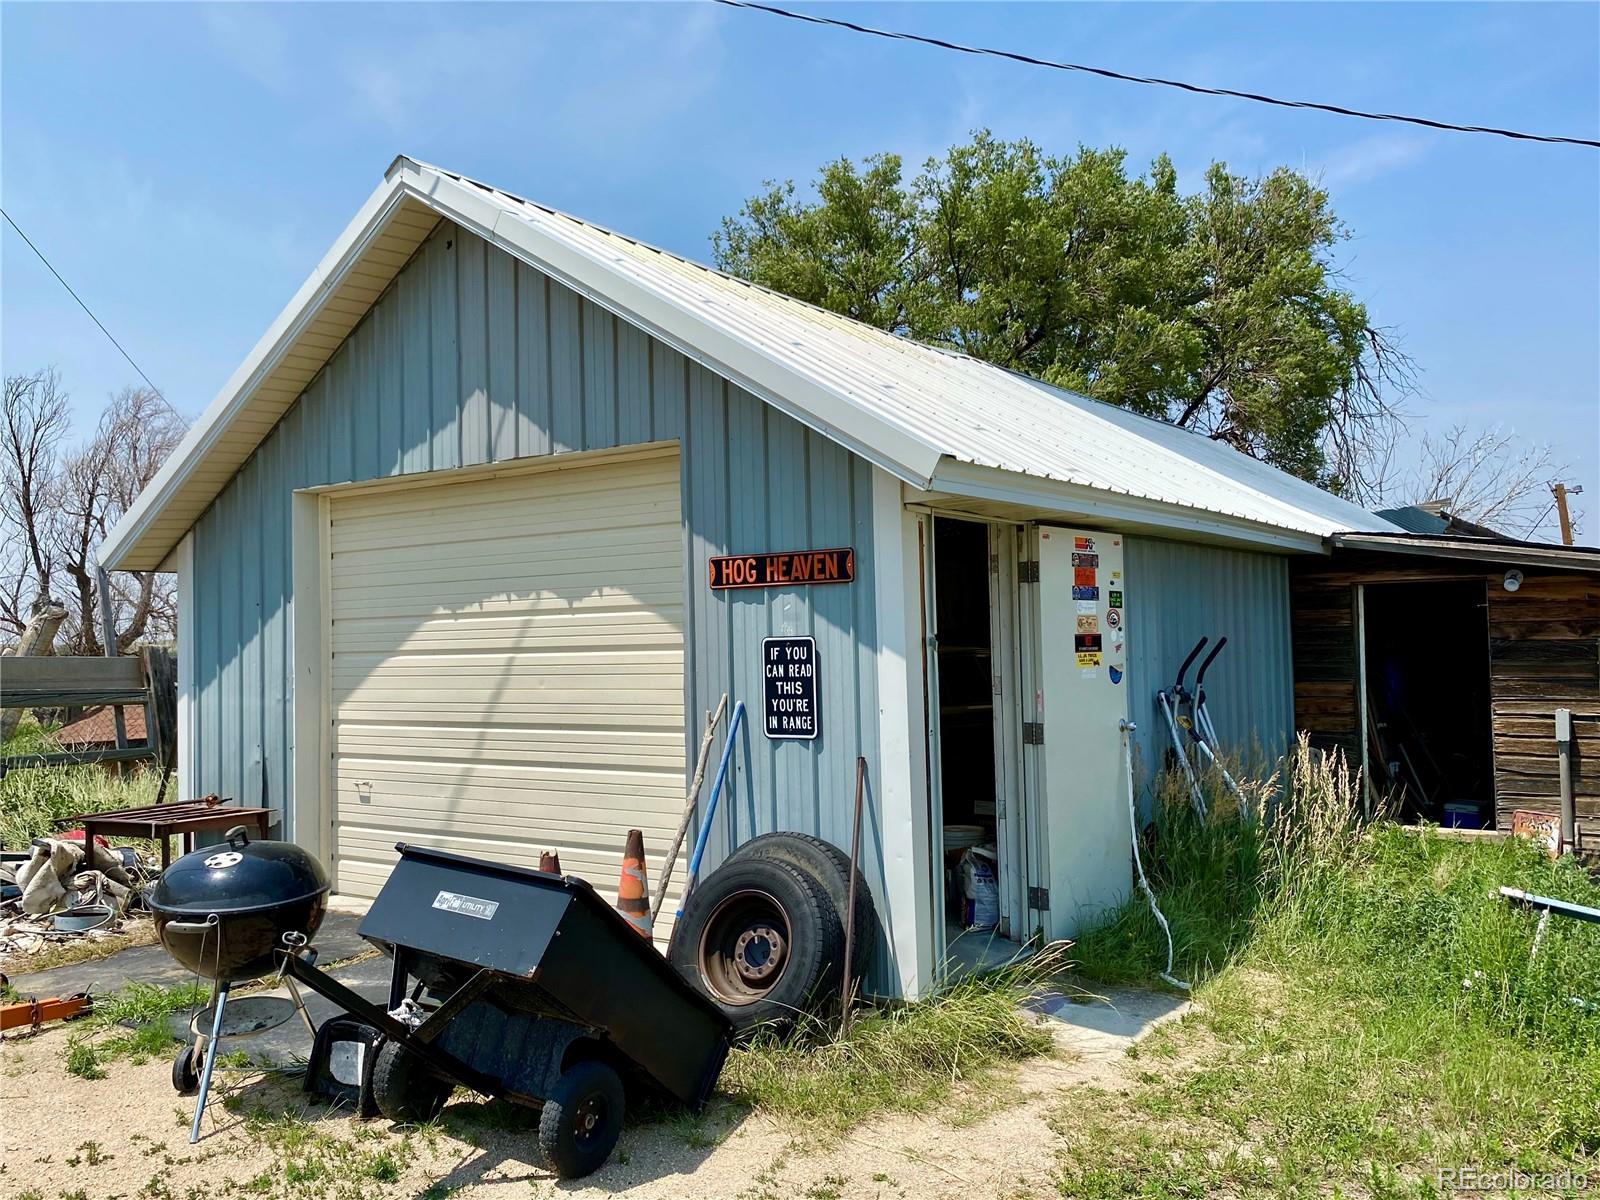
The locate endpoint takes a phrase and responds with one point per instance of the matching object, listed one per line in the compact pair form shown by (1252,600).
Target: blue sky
(186,165)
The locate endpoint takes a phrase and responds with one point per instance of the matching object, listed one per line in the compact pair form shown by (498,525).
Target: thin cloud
(1371,158)
(255,41)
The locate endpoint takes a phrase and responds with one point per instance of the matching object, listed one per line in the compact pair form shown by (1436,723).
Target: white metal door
(1084,693)
(506,669)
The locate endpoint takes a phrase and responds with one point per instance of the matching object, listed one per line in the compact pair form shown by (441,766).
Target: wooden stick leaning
(712,720)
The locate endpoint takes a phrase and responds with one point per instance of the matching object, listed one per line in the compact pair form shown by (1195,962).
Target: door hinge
(1039,899)
(1028,572)
(1033,733)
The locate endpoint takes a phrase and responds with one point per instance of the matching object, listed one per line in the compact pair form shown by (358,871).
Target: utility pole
(1560,491)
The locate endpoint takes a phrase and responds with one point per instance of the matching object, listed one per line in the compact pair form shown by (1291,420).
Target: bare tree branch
(1487,476)
(57,506)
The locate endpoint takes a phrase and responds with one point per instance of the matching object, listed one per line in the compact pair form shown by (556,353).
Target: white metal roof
(943,422)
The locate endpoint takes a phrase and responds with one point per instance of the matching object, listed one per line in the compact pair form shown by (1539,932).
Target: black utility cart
(523,985)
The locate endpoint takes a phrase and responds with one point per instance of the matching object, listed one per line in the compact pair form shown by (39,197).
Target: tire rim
(745,947)
(588,1120)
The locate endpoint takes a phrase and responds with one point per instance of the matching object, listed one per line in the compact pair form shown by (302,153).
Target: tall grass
(1368,999)
(32,799)
(903,1058)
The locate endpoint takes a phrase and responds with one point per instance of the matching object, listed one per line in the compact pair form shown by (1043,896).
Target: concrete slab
(335,940)
(1104,1023)
(291,1041)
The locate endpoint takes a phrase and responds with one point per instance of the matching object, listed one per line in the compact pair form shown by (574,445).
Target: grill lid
(237,875)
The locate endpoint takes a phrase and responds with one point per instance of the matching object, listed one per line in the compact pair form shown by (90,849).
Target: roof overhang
(1470,549)
(990,492)
(394,222)
(343,287)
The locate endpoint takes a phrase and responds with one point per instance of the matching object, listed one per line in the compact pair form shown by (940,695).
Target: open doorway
(1427,719)
(968,675)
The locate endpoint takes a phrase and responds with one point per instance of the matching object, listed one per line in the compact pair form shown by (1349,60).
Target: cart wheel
(185,1079)
(760,939)
(582,1119)
(405,1090)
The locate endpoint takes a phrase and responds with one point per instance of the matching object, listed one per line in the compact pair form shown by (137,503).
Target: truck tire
(829,866)
(760,938)
(404,1089)
(581,1119)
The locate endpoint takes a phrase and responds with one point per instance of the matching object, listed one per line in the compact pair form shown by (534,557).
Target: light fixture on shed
(1513,579)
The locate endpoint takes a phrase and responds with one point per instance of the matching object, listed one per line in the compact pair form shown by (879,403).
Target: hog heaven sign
(786,568)
(789,692)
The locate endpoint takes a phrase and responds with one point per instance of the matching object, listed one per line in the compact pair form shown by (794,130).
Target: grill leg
(211,1061)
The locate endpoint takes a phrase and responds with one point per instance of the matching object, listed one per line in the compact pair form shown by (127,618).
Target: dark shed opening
(1429,733)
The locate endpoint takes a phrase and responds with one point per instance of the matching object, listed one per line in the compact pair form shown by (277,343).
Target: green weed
(904,1058)
(131,1023)
(32,799)
(1369,1008)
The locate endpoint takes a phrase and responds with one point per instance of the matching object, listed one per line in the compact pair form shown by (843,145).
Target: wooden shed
(1439,663)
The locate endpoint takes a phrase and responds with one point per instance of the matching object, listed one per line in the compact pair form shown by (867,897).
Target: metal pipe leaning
(711,806)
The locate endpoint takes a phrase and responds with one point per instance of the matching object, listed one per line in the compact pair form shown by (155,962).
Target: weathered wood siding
(1544,646)
(1544,654)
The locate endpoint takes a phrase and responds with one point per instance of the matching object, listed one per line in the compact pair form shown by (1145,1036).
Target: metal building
(503,502)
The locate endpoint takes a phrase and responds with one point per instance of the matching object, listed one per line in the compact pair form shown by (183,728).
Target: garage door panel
(635,790)
(582,486)
(554,661)
(519,527)
(507,669)
(464,606)
(503,634)
(497,560)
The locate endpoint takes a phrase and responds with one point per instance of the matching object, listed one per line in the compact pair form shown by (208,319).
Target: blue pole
(711,805)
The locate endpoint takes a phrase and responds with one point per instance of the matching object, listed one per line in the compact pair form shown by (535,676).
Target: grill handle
(238,837)
(195,926)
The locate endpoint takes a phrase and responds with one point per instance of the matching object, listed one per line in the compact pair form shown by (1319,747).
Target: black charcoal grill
(223,910)
(524,985)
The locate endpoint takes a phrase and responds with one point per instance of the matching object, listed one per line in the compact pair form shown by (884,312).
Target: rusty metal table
(164,821)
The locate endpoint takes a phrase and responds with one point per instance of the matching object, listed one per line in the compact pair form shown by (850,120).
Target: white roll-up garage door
(507,668)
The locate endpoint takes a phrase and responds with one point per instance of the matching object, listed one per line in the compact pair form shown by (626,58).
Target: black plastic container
(223,910)
(548,948)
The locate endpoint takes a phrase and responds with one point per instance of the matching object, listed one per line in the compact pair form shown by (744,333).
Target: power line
(85,307)
(1107,73)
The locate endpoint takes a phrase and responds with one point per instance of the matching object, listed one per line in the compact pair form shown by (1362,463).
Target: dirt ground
(66,1138)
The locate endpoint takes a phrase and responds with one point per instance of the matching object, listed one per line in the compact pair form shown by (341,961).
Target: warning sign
(1115,598)
(1089,658)
(789,691)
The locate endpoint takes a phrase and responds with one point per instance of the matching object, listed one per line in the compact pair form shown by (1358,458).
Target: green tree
(1219,311)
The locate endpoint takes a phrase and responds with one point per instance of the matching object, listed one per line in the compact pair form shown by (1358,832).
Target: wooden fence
(148,680)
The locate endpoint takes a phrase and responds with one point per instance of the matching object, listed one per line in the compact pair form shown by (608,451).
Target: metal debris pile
(60,893)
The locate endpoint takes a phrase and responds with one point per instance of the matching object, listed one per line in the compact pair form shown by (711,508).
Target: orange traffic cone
(633,900)
(550,861)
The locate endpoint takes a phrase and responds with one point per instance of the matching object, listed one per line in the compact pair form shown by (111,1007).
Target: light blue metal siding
(473,357)
(1179,592)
